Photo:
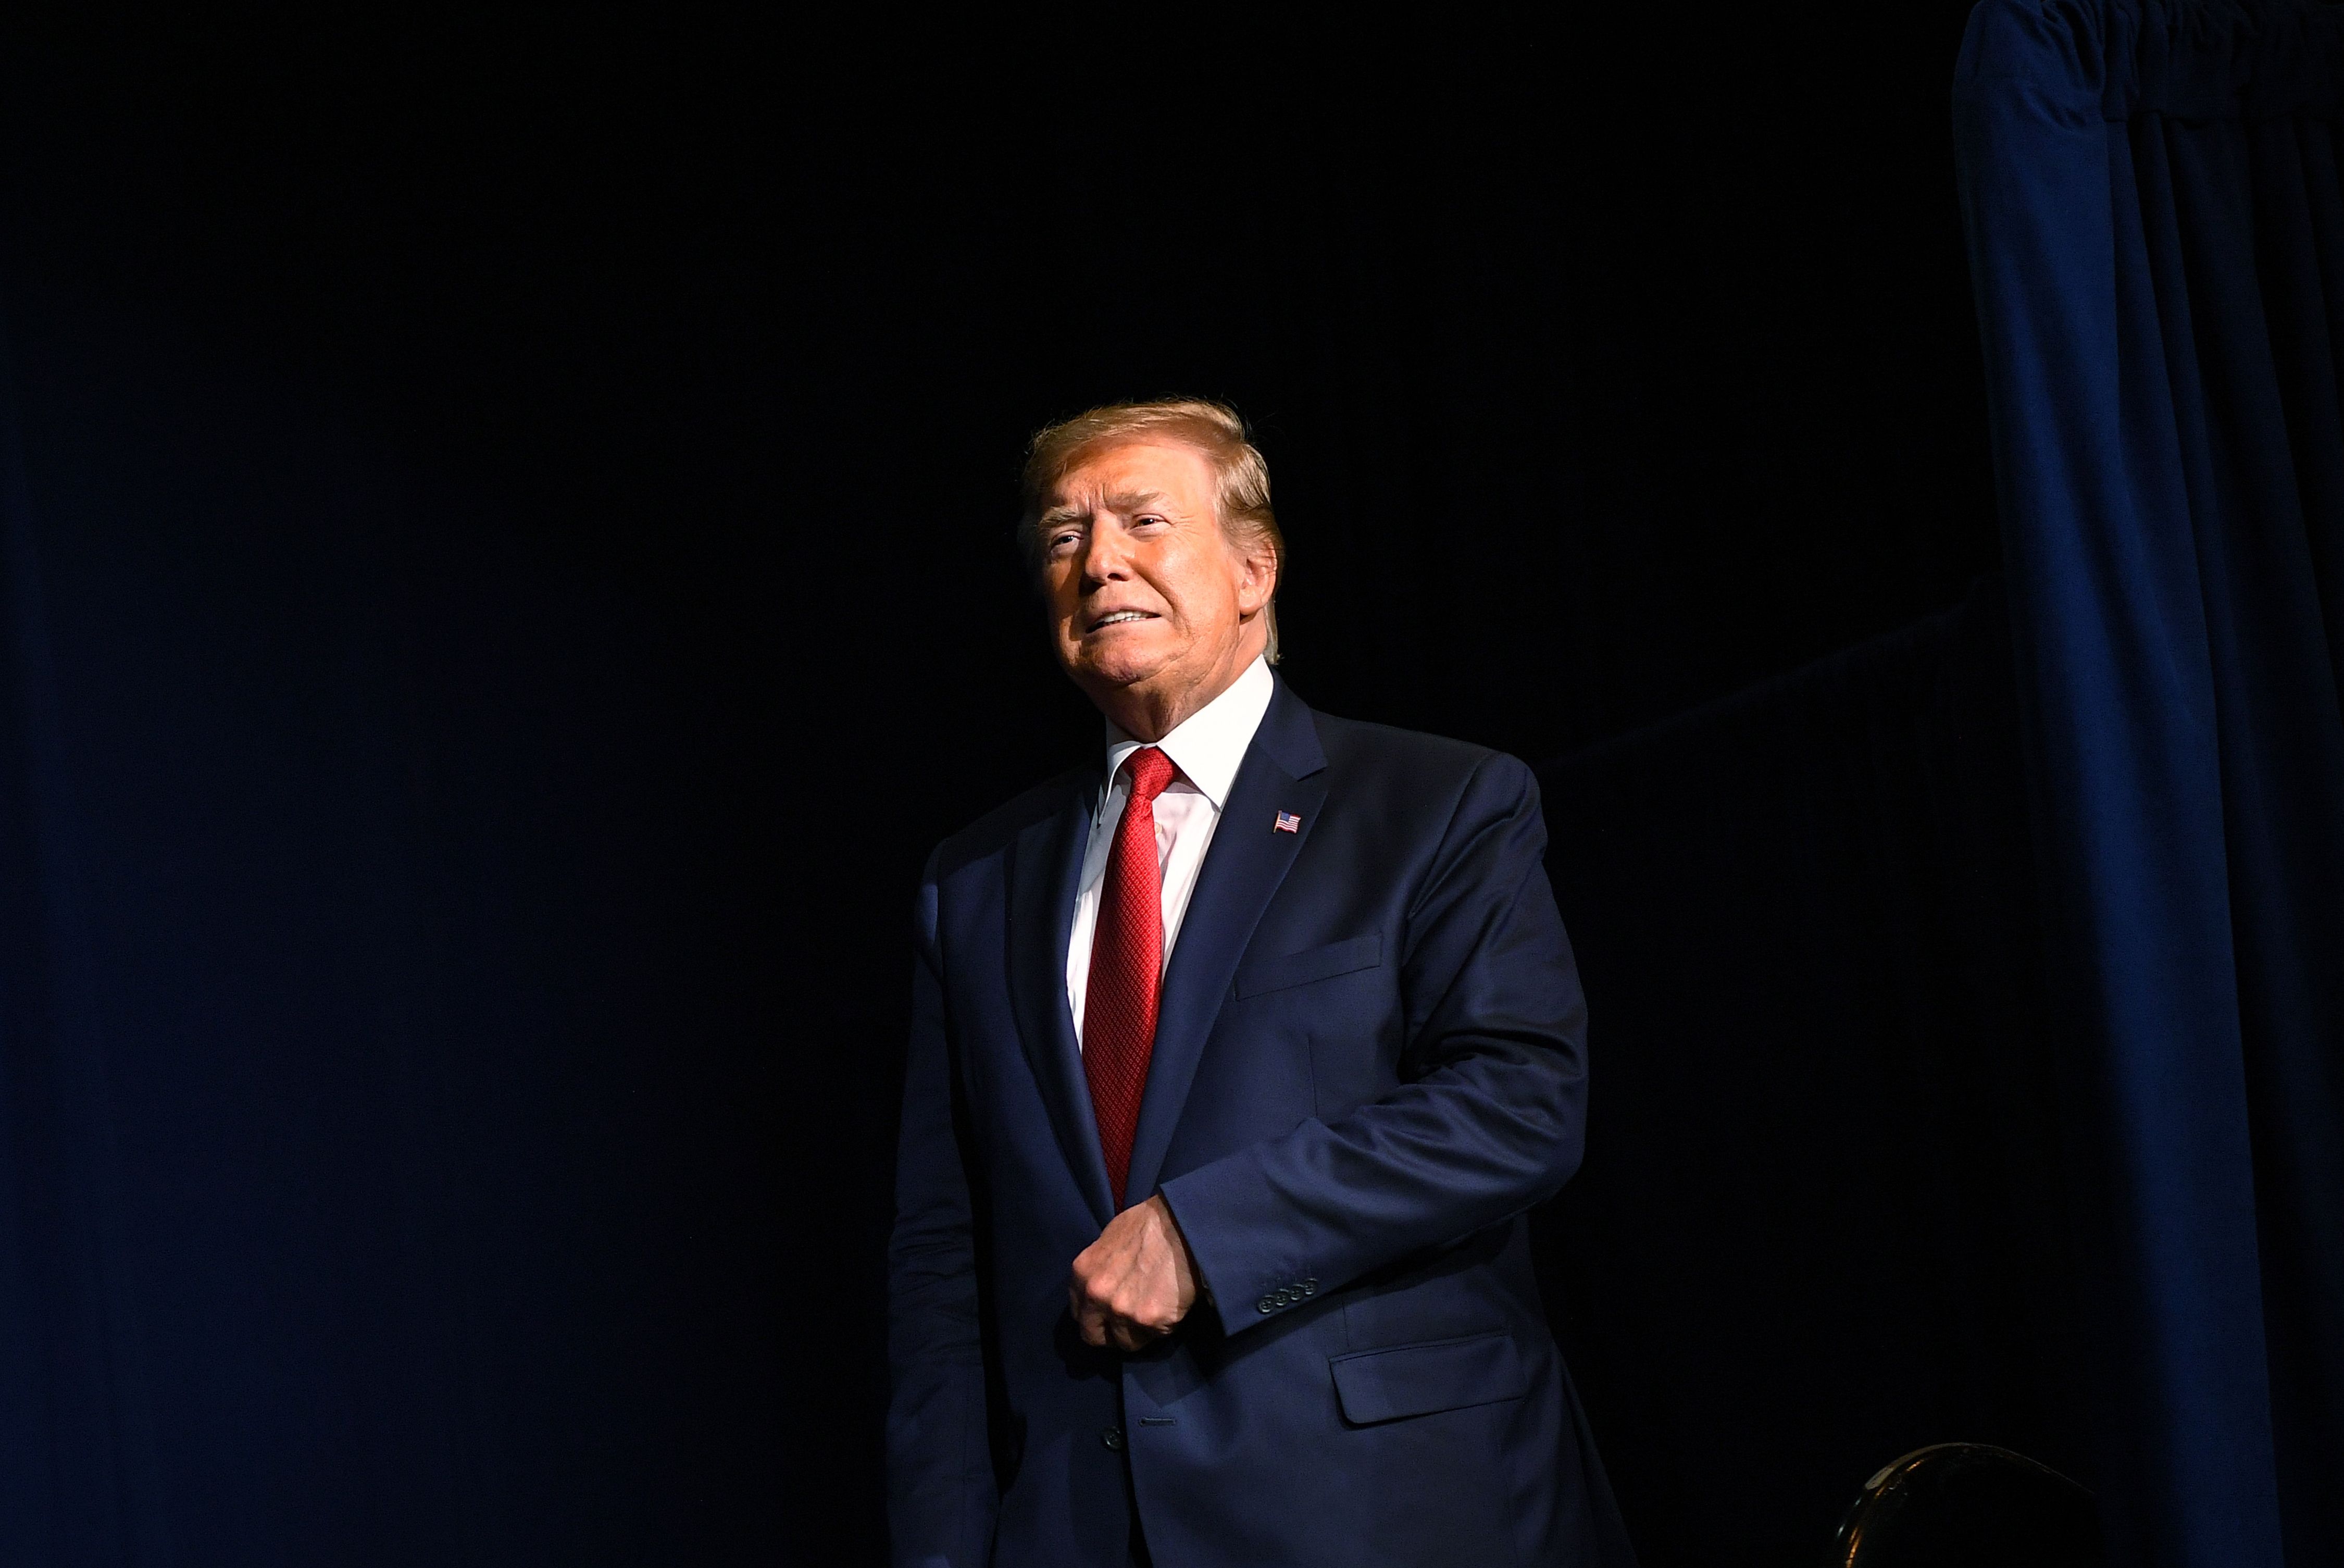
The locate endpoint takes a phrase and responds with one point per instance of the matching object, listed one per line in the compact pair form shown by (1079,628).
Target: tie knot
(1150,771)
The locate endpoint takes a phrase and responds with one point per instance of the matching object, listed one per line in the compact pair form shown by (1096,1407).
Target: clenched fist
(1136,1281)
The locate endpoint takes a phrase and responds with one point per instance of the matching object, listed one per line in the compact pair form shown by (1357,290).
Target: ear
(1256,578)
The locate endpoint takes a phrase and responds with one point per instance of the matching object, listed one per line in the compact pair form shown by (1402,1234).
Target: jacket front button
(1112,1440)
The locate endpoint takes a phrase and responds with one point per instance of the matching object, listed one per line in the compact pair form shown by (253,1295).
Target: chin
(1119,666)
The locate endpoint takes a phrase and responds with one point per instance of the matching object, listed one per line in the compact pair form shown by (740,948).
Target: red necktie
(1127,968)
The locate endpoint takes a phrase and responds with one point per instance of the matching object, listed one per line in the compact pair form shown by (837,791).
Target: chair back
(1968,1505)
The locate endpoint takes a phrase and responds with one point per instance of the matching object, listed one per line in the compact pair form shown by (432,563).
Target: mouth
(1116,618)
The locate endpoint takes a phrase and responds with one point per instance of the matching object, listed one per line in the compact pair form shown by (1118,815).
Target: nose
(1106,557)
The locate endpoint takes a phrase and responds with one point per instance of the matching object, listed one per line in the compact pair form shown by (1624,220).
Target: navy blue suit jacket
(1369,1060)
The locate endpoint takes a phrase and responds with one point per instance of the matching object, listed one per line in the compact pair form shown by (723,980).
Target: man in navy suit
(1236,1056)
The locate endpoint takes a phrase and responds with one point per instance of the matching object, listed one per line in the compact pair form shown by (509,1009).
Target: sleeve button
(1265,1305)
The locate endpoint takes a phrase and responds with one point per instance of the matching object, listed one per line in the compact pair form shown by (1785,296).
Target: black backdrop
(523,518)
(1821,1223)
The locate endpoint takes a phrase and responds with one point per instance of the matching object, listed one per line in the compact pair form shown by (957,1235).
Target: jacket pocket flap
(1418,1379)
(1280,970)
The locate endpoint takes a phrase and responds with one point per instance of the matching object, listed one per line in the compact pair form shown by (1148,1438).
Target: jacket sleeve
(940,1495)
(1490,1113)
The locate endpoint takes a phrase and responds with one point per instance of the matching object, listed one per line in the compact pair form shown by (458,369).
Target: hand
(1136,1281)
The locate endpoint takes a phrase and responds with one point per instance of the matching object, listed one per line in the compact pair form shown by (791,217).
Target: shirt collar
(1208,744)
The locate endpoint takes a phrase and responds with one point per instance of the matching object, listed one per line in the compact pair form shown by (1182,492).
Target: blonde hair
(1213,428)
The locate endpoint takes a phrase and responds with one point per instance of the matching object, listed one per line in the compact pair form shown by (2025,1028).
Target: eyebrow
(1123,502)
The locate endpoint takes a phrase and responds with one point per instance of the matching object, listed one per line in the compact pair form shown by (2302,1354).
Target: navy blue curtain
(2157,238)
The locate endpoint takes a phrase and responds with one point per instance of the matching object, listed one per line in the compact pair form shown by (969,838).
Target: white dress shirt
(1206,747)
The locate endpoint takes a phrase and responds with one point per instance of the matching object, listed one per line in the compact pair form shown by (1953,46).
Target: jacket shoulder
(991,833)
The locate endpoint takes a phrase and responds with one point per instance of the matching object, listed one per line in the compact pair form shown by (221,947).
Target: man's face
(1147,594)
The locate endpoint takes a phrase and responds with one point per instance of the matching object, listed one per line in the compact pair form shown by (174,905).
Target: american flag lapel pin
(1289,823)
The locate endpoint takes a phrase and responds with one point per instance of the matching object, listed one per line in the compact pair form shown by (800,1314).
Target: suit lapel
(1283,773)
(1046,867)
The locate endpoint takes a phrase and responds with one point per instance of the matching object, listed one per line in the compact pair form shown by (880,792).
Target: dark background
(522,520)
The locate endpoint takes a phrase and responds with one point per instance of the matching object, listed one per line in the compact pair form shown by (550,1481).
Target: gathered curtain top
(2184,59)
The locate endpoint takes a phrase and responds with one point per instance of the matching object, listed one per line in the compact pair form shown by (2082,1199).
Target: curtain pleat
(2153,215)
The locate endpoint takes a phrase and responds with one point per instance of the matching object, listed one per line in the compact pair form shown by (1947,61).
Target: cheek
(1205,594)
(1057,599)
(1186,589)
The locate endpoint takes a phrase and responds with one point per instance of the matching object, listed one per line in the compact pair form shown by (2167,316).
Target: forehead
(1174,470)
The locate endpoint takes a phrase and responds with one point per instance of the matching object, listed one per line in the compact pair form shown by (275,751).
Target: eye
(1145,517)
(1059,541)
